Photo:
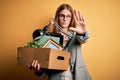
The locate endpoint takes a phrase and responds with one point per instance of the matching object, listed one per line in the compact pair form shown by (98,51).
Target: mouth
(64,23)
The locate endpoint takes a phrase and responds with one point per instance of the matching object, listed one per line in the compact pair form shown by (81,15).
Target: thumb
(72,29)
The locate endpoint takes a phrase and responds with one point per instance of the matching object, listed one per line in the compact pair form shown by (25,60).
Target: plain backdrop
(19,18)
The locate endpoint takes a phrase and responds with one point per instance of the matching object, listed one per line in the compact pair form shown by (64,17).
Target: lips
(64,23)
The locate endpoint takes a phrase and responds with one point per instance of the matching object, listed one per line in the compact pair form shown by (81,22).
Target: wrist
(81,34)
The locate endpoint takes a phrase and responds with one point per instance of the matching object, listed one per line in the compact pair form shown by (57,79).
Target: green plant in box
(33,44)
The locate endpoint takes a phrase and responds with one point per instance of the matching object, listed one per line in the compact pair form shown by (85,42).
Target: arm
(40,74)
(80,27)
(82,38)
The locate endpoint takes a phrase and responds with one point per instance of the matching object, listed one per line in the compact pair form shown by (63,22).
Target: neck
(65,29)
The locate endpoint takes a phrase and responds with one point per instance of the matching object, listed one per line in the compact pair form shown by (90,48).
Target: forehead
(65,11)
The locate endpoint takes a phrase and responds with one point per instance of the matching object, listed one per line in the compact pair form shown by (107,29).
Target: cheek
(59,22)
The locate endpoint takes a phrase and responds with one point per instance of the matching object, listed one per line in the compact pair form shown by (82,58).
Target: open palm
(80,24)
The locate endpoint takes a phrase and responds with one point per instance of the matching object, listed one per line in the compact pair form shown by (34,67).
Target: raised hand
(80,24)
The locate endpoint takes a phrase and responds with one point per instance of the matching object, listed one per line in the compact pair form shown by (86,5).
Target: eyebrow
(66,15)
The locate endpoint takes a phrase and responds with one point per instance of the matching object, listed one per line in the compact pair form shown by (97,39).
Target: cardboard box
(47,57)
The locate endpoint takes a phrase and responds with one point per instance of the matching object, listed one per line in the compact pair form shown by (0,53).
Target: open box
(47,57)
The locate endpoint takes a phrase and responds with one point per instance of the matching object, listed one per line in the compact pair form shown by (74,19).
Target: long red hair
(59,9)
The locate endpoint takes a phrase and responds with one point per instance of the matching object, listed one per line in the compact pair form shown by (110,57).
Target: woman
(70,21)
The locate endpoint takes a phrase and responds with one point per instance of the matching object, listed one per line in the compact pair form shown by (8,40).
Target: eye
(68,16)
(62,15)
(65,16)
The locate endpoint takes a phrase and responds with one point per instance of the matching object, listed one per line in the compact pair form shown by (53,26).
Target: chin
(64,26)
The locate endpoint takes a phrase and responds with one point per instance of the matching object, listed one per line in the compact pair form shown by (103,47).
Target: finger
(80,16)
(76,15)
(38,67)
(32,65)
(28,66)
(35,64)
(76,18)
(84,19)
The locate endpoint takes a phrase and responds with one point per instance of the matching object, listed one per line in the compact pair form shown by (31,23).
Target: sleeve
(82,38)
(40,74)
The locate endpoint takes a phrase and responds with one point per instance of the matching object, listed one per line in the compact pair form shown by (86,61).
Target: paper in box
(47,57)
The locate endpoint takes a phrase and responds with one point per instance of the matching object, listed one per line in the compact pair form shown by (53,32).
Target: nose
(65,18)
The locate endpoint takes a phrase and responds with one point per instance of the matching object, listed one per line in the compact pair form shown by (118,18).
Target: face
(64,18)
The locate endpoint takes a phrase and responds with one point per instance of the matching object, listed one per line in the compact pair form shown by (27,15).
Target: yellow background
(18,19)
